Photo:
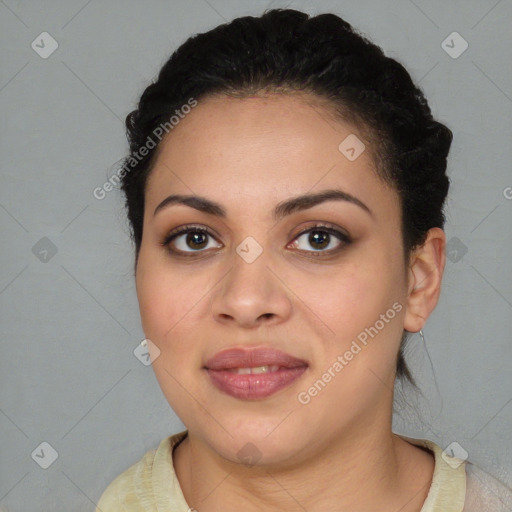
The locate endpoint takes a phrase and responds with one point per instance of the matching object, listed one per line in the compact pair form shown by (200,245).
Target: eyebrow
(283,209)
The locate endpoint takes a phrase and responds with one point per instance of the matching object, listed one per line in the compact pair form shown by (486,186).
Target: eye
(320,237)
(188,240)
(196,239)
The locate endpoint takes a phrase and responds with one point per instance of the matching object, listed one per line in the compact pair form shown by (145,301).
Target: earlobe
(424,280)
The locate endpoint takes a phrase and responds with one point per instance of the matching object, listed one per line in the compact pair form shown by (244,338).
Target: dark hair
(287,50)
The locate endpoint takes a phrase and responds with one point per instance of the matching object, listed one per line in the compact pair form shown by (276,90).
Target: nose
(250,295)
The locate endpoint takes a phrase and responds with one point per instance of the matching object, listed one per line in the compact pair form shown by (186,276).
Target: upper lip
(250,358)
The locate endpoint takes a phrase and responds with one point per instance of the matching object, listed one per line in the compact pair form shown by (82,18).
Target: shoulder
(460,486)
(136,488)
(485,492)
(124,492)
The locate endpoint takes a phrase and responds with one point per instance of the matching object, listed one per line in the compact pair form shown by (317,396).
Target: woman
(285,189)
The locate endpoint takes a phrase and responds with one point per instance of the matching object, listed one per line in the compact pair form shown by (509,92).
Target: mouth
(253,374)
(258,370)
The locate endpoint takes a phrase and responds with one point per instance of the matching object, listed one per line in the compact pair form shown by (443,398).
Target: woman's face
(332,299)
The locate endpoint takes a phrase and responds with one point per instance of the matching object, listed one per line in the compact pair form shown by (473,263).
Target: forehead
(261,147)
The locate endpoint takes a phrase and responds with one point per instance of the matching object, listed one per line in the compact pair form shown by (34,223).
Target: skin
(336,452)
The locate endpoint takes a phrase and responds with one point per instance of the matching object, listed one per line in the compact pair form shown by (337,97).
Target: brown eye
(196,239)
(188,240)
(322,239)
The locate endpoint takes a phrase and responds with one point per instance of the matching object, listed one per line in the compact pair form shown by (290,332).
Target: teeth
(258,369)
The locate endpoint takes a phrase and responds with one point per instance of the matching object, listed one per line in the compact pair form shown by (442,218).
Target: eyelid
(328,227)
(180,230)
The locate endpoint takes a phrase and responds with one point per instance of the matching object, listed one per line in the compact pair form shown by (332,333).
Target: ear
(425,274)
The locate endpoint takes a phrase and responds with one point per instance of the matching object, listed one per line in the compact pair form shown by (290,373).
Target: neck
(365,470)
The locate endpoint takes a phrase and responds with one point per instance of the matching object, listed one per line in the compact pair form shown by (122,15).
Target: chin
(255,441)
(251,452)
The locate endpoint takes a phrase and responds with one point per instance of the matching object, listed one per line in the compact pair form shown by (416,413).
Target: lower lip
(254,386)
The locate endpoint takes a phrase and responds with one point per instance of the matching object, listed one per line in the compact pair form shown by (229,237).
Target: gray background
(69,320)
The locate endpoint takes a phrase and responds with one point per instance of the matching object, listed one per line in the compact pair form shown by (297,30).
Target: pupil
(313,238)
(193,237)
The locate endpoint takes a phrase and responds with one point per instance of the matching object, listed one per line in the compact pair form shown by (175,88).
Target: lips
(253,374)
(252,358)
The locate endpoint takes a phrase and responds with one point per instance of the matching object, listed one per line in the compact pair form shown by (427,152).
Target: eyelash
(324,228)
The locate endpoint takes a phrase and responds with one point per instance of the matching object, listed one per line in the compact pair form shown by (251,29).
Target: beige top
(151,485)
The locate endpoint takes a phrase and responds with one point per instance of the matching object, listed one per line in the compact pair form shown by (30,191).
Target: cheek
(364,307)
(154,295)
(166,303)
(351,300)
(170,302)
(356,370)
(162,300)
